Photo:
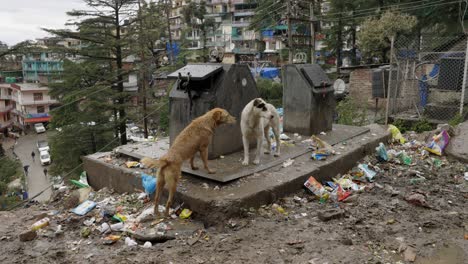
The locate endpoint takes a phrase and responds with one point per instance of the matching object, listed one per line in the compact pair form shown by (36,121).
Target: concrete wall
(101,174)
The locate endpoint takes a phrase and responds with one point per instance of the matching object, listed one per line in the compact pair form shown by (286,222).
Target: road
(36,180)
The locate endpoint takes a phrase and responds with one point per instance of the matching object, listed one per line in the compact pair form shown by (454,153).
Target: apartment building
(232,18)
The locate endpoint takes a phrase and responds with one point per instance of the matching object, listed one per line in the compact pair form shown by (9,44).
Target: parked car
(39,127)
(42,145)
(44,156)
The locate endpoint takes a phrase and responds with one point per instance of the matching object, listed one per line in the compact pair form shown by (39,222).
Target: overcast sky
(22,19)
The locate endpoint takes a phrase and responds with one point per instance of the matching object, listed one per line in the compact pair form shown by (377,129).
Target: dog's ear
(217,115)
(257,101)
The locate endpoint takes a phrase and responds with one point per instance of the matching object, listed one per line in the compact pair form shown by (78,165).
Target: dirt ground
(378,225)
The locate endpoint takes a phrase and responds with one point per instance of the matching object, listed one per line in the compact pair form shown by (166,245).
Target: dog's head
(260,108)
(222,116)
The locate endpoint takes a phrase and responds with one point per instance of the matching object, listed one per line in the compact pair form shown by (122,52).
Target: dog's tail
(154,163)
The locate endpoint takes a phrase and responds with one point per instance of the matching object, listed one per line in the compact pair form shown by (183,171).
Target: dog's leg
(192,164)
(276,132)
(245,140)
(172,187)
(159,189)
(266,131)
(259,145)
(204,156)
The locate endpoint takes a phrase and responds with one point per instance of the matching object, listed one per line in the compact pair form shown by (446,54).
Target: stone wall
(360,88)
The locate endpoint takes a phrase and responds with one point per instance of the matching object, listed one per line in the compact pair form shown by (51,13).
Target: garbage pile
(410,154)
(109,217)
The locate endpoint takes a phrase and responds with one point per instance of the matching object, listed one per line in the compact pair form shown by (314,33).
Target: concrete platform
(229,167)
(214,202)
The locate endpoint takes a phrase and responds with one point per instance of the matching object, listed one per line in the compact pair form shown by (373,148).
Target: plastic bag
(438,143)
(382,154)
(396,134)
(370,174)
(149,183)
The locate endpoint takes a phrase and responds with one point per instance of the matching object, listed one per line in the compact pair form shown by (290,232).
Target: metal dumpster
(308,99)
(202,87)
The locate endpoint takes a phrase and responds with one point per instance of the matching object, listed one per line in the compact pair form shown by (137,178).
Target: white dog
(256,120)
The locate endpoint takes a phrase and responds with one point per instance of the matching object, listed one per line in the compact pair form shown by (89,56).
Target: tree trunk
(120,86)
(353,51)
(339,46)
(169,35)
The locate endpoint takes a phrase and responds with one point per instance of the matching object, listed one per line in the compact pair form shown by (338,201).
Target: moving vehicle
(44,157)
(39,127)
(42,145)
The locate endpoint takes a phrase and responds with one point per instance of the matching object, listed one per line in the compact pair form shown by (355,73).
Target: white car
(42,145)
(39,127)
(44,156)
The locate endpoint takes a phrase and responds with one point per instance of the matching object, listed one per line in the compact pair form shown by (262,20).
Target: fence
(428,78)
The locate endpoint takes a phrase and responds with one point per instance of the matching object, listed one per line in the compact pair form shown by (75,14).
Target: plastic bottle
(40,224)
(405,159)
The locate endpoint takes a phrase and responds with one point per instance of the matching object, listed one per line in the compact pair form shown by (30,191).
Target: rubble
(28,235)
(331,214)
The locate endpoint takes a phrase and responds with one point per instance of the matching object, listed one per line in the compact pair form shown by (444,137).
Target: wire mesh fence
(428,78)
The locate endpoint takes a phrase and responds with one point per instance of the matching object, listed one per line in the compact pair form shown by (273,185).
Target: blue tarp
(267,73)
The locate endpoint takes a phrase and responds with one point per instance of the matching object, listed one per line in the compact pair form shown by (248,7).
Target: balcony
(243,13)
(240,23)
(41,102)
(5,97)
(6,109)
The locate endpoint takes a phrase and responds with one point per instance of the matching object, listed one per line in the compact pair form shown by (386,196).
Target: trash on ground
(79,184)
(284,137)
(111,239)
(186,213)
(84,207)
(381,152)
(370,174)
(321,146)
(396,134)
(438,143)
(132,164)
(417,199)
(288,163)
(130,242)
(315,187)
(40,224)
(149,183)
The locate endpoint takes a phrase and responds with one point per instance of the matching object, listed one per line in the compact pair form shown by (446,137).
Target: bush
(351,113)
(9,170)
(457,119)
(271,91)
(421,126)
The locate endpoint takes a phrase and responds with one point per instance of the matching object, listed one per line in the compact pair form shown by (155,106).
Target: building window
(37,96)
(40,109)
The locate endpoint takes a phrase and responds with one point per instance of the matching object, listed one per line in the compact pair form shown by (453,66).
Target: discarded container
(315,187)
(84,178)
(381,152)
(104,228)
(40,224)
(396,134)
(84,208)
(370,174)
(438,143)
(119,217)
(186,213)
(111,239)
(149,183)
(319,156)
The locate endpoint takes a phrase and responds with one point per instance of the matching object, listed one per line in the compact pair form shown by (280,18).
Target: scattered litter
(396,134)
(40,224)
(186,213)
(315,187)
(132,164)
(84,207)
(130,242)
(417,199)
(104,228)
(381,152)
(321,146)
(89,222)
(438,143)
(323,133)
(149,183)
(284,137)
(288,163)
(111,239)
(147,244)
(370,174)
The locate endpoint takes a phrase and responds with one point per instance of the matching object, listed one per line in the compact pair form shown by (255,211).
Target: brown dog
(194,138)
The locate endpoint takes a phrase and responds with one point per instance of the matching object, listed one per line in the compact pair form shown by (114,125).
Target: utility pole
(169,35)
(290,41)
(143,79)
(312,34)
